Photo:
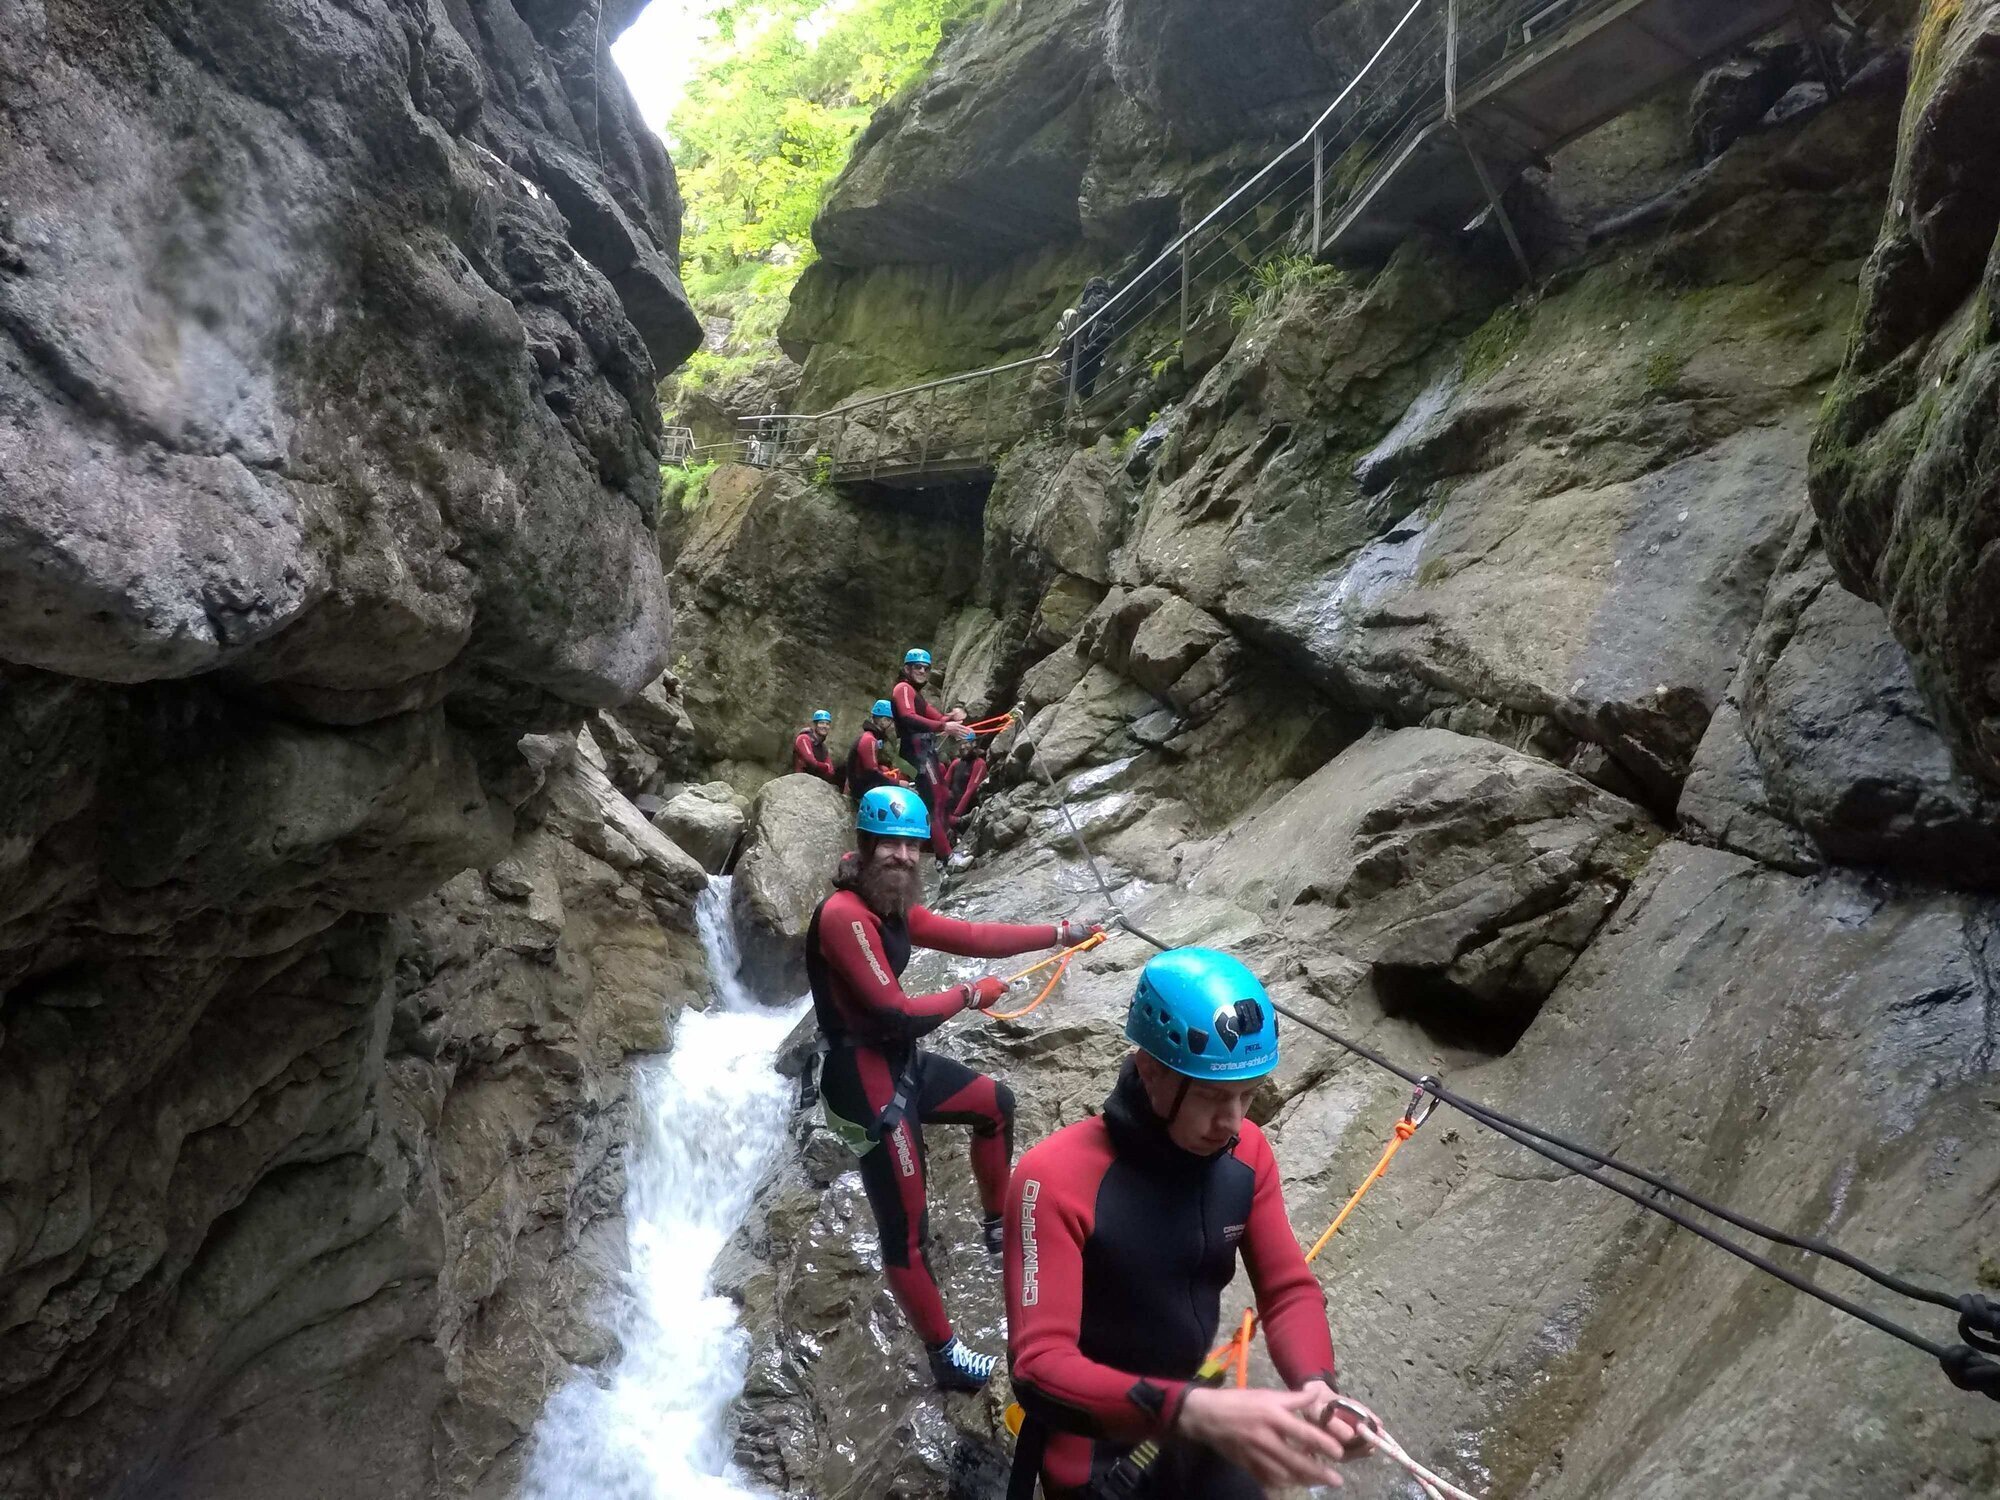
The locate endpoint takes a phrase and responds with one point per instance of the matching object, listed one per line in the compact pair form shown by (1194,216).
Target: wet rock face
(798,829)
(328,463)
(1468,875)
(1555,527)
(791,598)
(1847,746)
(362,336)
(1904,477)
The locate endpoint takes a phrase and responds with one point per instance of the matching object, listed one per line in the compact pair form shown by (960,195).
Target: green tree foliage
(768,121)
(765,125)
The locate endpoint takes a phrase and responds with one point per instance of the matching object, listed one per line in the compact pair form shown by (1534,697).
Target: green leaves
(767,123)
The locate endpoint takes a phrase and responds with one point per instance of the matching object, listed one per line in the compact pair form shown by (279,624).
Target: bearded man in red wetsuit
(877,1088)
(1122,1231)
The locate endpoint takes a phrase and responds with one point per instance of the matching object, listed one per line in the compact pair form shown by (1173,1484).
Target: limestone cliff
(1473,662)
(1904,475)
(328,461)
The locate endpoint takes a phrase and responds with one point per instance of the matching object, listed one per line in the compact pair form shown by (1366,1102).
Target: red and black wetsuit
(954,799)
(1119,1245)
(917,726)
(968,773)
(809,755)
(854,960)
(866,769)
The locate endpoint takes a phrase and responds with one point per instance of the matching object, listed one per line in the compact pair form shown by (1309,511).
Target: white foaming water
(711,1116)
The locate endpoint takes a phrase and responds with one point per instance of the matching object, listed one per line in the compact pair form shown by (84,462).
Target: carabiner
(1422,1101)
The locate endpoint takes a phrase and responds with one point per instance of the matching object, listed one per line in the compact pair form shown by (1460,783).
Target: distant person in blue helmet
(809,752)
(868,765)
(877,1088)
(1122,1231)
(918,725)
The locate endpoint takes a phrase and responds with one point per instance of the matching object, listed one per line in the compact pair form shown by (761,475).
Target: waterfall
(711,1115)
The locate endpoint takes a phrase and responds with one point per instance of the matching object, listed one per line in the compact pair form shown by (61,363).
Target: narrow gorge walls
(328,465)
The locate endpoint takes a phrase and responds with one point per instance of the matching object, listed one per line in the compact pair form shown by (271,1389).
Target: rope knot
(1979,1322)
(1970,1370)
(1405,1129)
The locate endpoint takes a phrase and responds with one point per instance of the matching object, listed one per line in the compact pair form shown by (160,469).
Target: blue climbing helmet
(916,656)
(1204,1015)
(883,709)
(821,716)
(893,812)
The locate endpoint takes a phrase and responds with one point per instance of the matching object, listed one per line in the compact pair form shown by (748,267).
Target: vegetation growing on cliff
(766,124)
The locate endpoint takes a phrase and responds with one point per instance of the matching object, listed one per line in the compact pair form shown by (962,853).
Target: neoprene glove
(1069,934)
(985,993)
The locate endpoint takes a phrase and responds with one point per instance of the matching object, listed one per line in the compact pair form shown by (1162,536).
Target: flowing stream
(712,1115)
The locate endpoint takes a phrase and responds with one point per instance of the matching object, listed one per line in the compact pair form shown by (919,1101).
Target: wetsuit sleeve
(1049,1203)
(1290,1300)
(803,758)
(975,939)
(852,947)
(904,697)
(870,763)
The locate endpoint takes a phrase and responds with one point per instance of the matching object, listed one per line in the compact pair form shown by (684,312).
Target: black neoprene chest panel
(896,945)
(1162,1248)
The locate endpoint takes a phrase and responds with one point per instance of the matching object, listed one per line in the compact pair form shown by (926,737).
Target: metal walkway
(1457,99)
(1578,66)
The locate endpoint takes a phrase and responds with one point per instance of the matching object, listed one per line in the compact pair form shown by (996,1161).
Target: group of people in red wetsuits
(1117,1235)
(948,765)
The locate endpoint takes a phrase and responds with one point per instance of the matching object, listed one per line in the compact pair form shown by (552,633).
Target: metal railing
(1177,314)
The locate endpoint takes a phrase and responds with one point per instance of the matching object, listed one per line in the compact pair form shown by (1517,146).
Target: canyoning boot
(956,1368)
(958,862)
(994,1228)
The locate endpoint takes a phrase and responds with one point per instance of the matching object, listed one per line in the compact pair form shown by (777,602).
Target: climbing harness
(1973,1364)
(1060,962)
(859,1136)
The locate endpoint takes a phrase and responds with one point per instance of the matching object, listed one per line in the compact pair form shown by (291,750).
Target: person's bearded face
(892,879)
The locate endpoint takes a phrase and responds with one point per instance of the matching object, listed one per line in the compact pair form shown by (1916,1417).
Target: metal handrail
(1345,161)
(1215,213)
(848,407)
(1176,246)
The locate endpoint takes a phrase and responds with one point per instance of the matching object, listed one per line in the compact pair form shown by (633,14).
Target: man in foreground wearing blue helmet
(1122,1232)
(868,763)
(809,752)
(877,1088)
